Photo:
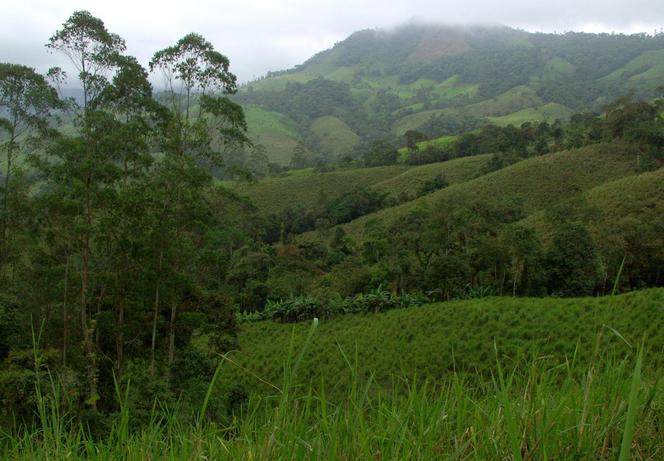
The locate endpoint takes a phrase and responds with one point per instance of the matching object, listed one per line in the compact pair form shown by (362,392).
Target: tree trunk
(87,329)
(65,317)
(4,236)
(86,326)
(176,263)
(155,315)
(119,340)
(171,333)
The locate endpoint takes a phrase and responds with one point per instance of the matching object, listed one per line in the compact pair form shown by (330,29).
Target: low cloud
(260,35)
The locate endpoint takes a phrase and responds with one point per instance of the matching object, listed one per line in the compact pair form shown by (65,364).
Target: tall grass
(535,407)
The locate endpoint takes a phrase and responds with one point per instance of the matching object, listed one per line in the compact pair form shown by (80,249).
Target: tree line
(113,235)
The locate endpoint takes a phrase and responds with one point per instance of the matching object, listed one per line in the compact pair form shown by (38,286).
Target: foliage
(621,401)
(441,80)
(572,264)
(120,257)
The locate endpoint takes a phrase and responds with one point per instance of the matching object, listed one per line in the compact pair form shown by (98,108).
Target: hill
(624,217)
(464,336)
(307,188)
(379,84)
(535,183)
(274,130)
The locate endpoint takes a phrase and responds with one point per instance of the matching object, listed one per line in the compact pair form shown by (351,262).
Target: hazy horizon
(260,36)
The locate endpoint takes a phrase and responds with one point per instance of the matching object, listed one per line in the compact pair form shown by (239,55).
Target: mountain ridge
(376,80)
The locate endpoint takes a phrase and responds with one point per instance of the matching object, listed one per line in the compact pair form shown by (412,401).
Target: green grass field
(334,136)
(496,379)
(517,98)
(433,341)
(537,182)
(274,130)
(443,141)
(305,187)
(549,112)
(454,171)
(416,120)
(619,209)
(649,63)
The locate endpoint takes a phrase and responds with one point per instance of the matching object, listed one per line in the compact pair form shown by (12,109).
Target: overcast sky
(261,35)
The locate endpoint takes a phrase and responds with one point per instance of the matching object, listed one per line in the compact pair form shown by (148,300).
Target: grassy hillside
(334,136)
(549,112)
(274,130)
(400,78)
(536,182)
(454,171)
(517,98)
(416,120)
(306,187)
(442,141)
(649,63)
(434,340)
(625,218)
(569,396)
(278,193)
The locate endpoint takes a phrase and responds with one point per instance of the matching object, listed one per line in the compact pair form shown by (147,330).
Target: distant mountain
(442,80)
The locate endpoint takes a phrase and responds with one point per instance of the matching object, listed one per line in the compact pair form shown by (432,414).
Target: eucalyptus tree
(204,122)
(85,167)
(26,102)
(132,118)
(91,49)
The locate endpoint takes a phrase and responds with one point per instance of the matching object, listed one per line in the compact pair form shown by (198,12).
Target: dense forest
(143,230)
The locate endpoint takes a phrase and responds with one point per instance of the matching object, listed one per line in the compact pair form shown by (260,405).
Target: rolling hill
(379,84)
(463,336)
(536,182)
(308,187)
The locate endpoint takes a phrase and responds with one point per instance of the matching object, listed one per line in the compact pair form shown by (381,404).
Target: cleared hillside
(307,188)
(454,171)
(334,136)
(434,340)
(399,79)
(273,130)
(535,182)
(625,219)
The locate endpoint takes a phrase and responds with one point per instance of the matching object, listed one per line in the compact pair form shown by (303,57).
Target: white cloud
(261,35)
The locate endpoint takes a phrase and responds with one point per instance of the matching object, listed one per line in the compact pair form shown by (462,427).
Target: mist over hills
(442,80)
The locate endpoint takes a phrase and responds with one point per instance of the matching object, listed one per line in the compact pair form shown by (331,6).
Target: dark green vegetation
(536,379)
(142,297)
(434,341)
(442,80)
(110,255)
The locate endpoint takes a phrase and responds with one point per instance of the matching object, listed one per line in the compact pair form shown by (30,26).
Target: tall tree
(204,121)
(572,264)
(26,101)
(94,52)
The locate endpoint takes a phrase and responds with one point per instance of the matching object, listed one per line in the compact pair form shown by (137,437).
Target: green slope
(279,193)
(416,120)
(274,130)
(454,171)
(442,141)
(403,76)
(648,65)
(549,112)
(517,98)
(536,182)
(620,214)
(306,187)
(334,136)
(432,341)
